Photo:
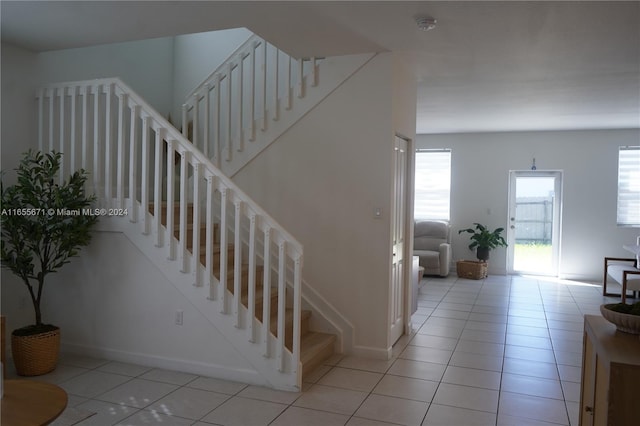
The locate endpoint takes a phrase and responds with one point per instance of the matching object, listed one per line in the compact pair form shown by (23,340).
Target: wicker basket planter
(471,269)
(36,354)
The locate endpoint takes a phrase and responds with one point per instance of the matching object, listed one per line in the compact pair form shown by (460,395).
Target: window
(433,184)
(629,186)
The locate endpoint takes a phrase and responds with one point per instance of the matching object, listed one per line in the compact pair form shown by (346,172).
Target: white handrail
(240,96)
(121,135)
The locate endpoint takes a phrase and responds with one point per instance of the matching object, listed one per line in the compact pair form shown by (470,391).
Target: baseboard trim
(182,365)
(370,352)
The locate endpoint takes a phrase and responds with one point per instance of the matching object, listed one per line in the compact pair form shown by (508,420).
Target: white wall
(198,55)
(19,84)
(113,302)
(322,180)
(146,66)
(480,166)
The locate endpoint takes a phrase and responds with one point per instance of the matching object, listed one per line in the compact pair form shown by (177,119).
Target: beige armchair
(432,243)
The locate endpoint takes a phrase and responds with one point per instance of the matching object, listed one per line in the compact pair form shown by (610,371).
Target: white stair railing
(141,165)
(237,100)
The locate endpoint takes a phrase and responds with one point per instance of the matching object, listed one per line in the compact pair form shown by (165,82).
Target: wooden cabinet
(610,391)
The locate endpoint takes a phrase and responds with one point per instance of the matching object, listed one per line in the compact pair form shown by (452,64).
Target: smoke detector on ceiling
(426,23)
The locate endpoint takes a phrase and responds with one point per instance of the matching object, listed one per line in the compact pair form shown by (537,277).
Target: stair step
(288,325)
(315,348)
(176,211)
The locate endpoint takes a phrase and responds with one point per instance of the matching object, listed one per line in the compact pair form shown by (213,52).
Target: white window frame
(628,206)
(432,196)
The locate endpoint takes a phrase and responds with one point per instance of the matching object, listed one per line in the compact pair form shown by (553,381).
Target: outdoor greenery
(43,223)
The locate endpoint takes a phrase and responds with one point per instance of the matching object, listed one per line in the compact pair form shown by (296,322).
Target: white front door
(535,200)
(398,224)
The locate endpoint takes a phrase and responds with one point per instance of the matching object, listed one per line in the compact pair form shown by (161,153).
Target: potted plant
(484,240)
(44,224)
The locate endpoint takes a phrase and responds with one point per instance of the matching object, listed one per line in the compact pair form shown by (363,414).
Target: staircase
(315,347)
(174,199)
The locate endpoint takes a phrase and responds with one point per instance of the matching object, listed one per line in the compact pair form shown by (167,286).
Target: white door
(398,217)
(535,202)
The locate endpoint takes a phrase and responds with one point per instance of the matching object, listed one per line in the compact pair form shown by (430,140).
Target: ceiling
(487,66)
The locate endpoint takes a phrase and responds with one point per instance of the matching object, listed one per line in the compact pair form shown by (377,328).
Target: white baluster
(314,72)
(157,187)
(62,173)
(51,118)
(133,163)
(276,78)
(122,99)
(217,149)
(282,274)
(194,123)
(210,238)
(145,181)
(240,105)
(40,97)
(289,91)
(300,78)
(72,130)
(207,119)
(184,180)
(171,174)
(223,247)
(237,264)
(252,94)
(251,302)
(85,127)
(297,311)
(97,148)
(229,121)
(264,86)
(266,294)
(108,146)
(197,176)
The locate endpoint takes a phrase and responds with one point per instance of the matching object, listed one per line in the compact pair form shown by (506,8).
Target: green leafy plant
(484,240)
(44,224)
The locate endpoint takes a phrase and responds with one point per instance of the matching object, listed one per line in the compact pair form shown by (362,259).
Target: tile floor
(501,351)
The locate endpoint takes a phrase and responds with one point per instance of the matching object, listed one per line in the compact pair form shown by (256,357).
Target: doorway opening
(535,202)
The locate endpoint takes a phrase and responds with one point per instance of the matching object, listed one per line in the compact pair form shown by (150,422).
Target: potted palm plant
(484,240)
(44,224)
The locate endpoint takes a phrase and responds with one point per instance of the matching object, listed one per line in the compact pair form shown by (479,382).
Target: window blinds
(433,184)
(629,186)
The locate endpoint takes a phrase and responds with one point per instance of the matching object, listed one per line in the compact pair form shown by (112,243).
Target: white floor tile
(347,378)
(238,411)
(188,402)
(144,418)
(217,385)
(138,393)
(533,407)
(296,416)
(467,397)
(393,410)
(406,387)
(443,415)
(419,353)
(417,369)
(167,376)
(334,400)
(93,383)
(472,377)
(529,385)
(107,414)
(267,394)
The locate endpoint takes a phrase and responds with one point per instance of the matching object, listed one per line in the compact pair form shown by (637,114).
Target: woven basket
(471,269)
(37,354)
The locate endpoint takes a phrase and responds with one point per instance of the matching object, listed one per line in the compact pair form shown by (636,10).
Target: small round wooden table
(30,403)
